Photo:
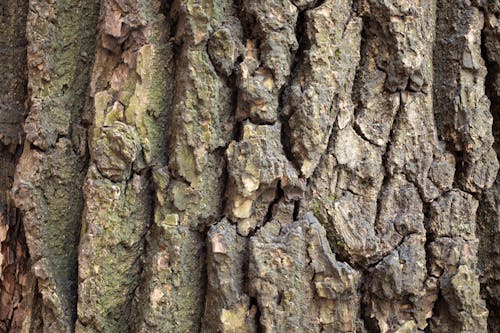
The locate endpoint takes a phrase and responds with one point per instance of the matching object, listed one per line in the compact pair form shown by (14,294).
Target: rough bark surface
(249,166)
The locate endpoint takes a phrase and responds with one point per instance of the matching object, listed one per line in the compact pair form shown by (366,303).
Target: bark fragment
(257,165)
(321,86)
(320,295)
(227,307)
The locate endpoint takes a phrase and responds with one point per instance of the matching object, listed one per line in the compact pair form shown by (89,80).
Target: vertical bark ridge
(190,187)
(464,121)
(16,280)
(49,175)
(488,215)
(131,94)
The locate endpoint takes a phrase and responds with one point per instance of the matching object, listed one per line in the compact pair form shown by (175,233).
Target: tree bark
(249,166)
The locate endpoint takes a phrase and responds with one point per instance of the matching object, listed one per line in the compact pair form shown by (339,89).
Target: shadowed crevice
(15,262)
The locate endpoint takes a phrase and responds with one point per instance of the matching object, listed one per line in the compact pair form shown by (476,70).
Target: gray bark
(249,166)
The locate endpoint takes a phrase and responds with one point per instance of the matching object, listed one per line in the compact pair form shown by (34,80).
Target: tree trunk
(249,166)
